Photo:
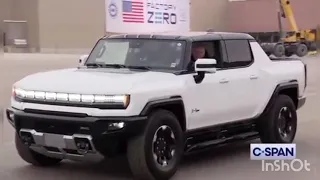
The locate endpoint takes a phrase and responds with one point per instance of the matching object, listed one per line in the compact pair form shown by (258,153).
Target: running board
(207,144)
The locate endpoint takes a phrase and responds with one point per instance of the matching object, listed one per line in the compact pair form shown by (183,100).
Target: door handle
(253,77)
(223,81)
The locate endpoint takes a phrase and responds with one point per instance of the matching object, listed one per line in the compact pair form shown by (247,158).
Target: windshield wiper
(139,67)
(114,65)
(96,65)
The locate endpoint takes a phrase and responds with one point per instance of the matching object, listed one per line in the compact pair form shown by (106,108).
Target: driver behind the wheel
(198,51)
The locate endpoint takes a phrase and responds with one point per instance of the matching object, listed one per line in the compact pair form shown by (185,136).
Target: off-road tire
(313,46)
(279,50)
(302,50)
(33,157)
(139,148)
(268,125)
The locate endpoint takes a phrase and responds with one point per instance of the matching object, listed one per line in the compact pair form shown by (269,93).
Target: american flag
(132,11)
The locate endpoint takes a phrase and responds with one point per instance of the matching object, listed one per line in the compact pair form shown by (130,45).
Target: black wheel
(302,50)
(313,46)
(280,123)
(33,157)
(156,153)
(279,50)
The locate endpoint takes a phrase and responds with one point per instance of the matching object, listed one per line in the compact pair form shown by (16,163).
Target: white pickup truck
(135,95)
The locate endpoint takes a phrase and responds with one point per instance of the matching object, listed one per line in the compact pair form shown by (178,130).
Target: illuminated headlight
(87,99)
(116,126)
(51,96)
(74,97)
(62,97)
(29,94)
(39,95)
(20,93)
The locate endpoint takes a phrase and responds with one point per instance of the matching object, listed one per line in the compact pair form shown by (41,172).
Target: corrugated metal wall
(27,11)
(70,26)
(261,15)
(4,14)
(66,26)
(21,10)
(208,14)
(75,25)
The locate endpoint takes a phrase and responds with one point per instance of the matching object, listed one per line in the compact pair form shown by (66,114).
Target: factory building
(75,25)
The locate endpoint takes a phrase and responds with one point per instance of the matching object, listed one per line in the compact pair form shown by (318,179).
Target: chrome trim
(62,142)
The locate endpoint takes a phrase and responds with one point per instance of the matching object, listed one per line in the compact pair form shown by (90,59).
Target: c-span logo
(272,151)
(113,10)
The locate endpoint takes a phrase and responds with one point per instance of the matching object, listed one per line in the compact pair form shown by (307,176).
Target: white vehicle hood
(93,81)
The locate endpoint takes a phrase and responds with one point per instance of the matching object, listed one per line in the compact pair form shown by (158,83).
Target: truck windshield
(141,53)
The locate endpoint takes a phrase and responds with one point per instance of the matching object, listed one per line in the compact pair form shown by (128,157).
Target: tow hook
(83,145)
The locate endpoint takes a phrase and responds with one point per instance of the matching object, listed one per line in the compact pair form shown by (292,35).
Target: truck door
(242,81)
(206,102)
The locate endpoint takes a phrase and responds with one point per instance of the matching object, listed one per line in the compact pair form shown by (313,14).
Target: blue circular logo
(113,10)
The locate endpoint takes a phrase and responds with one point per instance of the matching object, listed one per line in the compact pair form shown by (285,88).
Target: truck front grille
(53,126)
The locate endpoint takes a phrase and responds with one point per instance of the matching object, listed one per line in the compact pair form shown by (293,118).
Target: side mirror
(206,65)
(203,66)
(83,59)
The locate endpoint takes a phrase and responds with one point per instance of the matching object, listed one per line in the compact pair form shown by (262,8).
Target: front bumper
(301,102)
(57,134)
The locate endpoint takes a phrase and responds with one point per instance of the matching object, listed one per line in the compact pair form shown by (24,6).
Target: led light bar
(70,97)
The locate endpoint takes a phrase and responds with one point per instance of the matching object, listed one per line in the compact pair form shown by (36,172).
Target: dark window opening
(239,53)
(205,49)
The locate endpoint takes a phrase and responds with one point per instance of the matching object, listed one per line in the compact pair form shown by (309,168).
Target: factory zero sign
(142,16)
(161,13)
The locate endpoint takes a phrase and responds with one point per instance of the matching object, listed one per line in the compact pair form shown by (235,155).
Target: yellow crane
(298,42)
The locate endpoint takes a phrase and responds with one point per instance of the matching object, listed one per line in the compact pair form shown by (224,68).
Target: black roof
(191,35)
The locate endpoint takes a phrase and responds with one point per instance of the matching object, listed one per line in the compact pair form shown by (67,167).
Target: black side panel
(161,102)
(174,104)
(282,86)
